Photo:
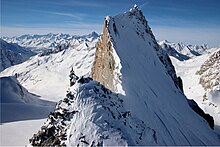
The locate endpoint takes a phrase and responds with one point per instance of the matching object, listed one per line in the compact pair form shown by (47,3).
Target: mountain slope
(12,54)
(18,104)
(51,68)
(201,80)
(158,112)
(210,81)
(21,112)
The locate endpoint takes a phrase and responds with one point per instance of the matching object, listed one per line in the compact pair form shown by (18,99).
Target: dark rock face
(72,77)
(199,111)
(180,83)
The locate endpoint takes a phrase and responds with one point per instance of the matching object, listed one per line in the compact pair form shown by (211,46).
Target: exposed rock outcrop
(209,71)
(104,63)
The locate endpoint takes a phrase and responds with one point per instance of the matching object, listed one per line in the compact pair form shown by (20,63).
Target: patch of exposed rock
(104,63)
(209,71)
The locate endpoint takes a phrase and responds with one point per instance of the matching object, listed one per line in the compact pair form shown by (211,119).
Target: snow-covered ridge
(182,51)
(38,43)
(12,54)
(92,115)
(147,85)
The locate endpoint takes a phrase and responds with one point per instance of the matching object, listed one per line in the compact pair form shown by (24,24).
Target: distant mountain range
(37,43)
(182,51)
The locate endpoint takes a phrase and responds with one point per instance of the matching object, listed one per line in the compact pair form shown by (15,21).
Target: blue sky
(188,21)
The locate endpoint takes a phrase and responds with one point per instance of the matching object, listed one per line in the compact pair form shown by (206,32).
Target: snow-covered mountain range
(181,51)
(134,96)
(144,107)
(53,66)
(37,43)
(12,54)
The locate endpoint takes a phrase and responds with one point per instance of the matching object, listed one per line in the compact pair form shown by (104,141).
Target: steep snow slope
(17,104)
(146,85)
(189,71)
(12,54)
(182,51)
(158,112)
(45,72)
(37,43)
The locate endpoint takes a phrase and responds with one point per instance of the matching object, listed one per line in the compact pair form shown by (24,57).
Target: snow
(99,118)
(41,72)
(21,112)
(46,77)
(18,133)
(146,86)
(12,54)
(37,43)
(192,89)
(146,107)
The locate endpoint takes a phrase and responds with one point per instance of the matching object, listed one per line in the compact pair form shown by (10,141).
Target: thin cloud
(74,3)
(54,3)
(144,4)
(78,16)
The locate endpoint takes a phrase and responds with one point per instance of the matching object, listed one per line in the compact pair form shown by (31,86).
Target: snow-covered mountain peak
(135,8)
(130,62)
(164,42)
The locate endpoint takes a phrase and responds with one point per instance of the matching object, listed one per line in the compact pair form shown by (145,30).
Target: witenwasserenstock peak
(133,98)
